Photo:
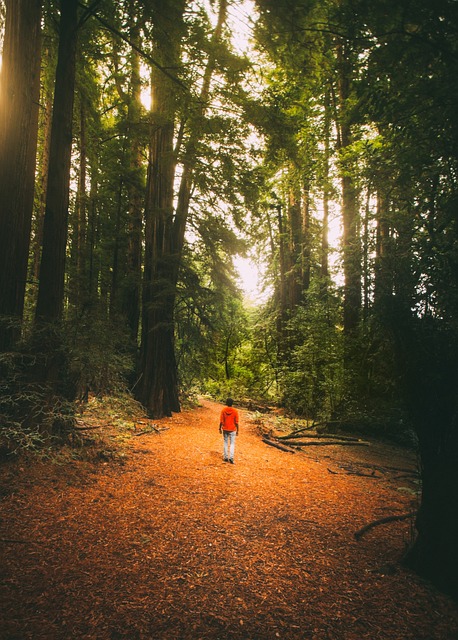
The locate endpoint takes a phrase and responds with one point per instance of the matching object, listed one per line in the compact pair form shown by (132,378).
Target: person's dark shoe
(225,460)
(231,461)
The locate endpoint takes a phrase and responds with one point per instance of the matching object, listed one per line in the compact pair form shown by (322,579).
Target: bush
(100,355)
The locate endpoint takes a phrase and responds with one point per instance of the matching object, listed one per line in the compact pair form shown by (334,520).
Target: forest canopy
(145,145)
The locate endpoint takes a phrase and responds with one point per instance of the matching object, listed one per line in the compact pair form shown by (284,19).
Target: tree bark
(324,261)
(158,387)
(434,553)
(136,192)
(19,95)
(351,240)
(305,240)
(46,120)
(294,285)
(52,268)
(427,354)
(77,284)
(92,239)
(383,275)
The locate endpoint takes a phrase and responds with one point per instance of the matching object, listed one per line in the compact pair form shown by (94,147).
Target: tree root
(403,516)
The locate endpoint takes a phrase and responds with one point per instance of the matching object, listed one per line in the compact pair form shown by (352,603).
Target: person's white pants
(229,444)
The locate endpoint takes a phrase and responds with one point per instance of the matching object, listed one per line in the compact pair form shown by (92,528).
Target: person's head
(229,402)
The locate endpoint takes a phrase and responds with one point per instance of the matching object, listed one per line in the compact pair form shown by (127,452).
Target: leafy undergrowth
(144,533)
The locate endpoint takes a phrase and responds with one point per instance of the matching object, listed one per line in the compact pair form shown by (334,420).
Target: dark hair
(229,402)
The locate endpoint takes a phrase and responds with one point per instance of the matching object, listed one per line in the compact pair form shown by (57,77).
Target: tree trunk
(428,356)
(79,224)
(305,240)
(283,295)
(351,240)
(365,257)
(324,261)
(20,90)
(352,262)
(383,275)
(158,386)
(136,192)
(434,554)
(294,280)
(115,263)
(92,230)
(52,268)
(46,98)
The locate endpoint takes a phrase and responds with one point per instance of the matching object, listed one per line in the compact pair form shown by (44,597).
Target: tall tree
(350,215)
(20,89)
(166,226)
(52,269)
(158,387)
(416,267)
(136,192)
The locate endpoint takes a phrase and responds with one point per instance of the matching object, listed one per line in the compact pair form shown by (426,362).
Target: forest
(148,148)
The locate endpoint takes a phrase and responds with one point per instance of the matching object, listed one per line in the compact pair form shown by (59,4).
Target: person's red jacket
(229,419)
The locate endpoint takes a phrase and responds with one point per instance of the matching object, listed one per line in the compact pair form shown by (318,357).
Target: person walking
(229,427)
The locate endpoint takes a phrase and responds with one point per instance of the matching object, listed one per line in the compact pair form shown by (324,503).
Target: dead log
(321,436)
(277,445)
(403,516)
(359,443)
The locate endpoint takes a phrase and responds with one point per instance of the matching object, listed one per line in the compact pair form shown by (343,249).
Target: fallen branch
(13,541)
(351,472)
(97,426)
(401,469)
(338,423)
(294,434)
(146,431)
(277,445)
(414,475)
(363,475)
(403,516)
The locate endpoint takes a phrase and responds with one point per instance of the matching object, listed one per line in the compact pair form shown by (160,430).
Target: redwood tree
(19,95)
(52,268)
(166,225)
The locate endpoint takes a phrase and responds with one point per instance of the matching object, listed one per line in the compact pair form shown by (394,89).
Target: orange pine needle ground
(168,542)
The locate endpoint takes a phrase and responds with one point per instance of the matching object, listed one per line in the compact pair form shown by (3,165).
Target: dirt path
(171,543)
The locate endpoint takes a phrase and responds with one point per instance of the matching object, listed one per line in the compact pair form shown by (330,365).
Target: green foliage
(32,415)
(313,374)
(211,324)
(100,355)
(43,378)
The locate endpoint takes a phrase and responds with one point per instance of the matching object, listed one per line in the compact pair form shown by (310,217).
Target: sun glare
(250,280)
(241,23)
